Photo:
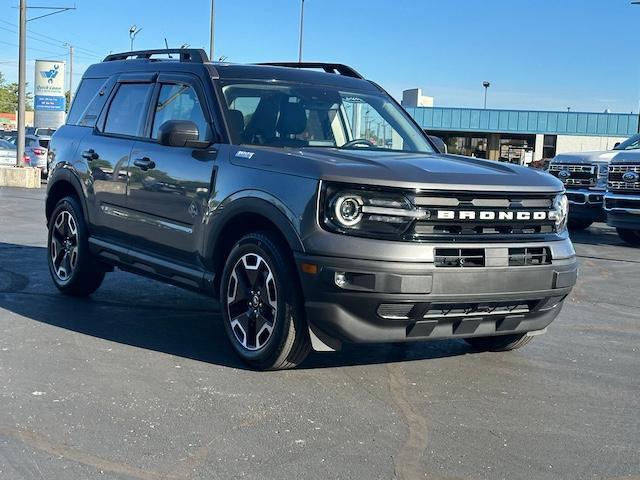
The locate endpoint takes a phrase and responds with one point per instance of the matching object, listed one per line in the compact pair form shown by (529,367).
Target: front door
(169,186)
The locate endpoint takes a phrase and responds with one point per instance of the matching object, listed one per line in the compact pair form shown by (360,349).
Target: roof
(195,61)
(525,121)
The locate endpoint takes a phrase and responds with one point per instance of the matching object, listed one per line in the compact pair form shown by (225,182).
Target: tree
(9,96)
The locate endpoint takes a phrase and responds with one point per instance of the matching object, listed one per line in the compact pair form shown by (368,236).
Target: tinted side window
(127,111)
(88,89)
(179,102)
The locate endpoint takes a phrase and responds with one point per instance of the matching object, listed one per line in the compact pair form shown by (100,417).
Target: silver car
(37,149)
(8,153)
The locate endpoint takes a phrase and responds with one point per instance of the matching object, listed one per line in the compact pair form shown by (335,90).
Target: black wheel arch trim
(63,173)
(251,202)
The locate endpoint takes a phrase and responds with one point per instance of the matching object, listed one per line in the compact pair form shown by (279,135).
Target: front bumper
(402,301)
(623,211)
(586,205)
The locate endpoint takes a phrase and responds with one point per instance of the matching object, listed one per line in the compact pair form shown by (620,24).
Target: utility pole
(70,71)
(301,32)
(211,30)
(22,81)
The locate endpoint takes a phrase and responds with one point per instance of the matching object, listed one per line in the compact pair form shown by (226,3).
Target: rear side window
(127,112)
(86,93)
(44,143)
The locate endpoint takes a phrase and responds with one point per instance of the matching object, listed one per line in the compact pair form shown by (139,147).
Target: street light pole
(486,86)
(301,32)
(133,31)
(22,81)
(70,71)
(211,30)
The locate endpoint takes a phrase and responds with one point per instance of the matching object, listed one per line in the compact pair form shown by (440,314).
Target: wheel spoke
(252,301)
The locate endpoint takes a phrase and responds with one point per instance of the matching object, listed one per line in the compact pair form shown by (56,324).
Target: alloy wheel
(252,302)
(64,245)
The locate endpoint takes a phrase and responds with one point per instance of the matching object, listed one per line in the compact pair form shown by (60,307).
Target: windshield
(302,115)
(5,145)
(632,143)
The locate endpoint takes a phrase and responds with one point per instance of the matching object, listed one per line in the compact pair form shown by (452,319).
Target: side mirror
(616,145)
(180,133)
(438,143)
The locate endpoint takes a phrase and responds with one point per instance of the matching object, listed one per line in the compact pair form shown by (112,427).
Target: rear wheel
(72,267)
(262,304)
(579,224)
(632,237)
(500,343)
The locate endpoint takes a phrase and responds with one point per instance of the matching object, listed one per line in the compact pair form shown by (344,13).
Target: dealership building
(522,135)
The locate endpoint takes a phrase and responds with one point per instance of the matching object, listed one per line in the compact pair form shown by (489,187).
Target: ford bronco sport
(305,199)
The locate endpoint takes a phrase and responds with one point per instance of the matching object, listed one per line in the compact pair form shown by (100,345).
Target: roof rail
(196,55)
(338,68)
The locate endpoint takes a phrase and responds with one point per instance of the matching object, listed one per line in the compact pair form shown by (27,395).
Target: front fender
(251,202)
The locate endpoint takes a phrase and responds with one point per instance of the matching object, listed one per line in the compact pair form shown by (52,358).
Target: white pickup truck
(585,175)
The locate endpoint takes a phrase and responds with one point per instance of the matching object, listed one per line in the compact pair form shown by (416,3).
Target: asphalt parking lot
(138,382)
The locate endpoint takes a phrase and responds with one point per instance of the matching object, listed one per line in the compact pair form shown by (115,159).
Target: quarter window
(179,102)
(126,114)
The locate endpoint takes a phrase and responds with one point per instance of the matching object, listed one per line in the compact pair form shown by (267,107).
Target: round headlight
(348,210)
(561,210)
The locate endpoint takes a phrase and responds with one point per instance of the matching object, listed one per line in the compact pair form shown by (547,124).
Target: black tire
(82,273)
(579,224)
(632,237)
(500,343)
(262,306)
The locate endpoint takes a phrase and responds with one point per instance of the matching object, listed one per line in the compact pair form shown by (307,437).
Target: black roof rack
(338,68)
(196,55)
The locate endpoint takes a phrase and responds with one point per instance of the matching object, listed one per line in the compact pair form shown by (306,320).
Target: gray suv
(306,200)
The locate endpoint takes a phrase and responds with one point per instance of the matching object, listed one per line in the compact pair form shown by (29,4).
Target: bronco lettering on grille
(493,215)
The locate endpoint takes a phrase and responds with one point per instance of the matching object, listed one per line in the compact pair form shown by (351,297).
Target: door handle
(144,163)
(90,154)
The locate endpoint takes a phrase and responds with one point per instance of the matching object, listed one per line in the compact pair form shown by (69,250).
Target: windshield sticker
(244,154)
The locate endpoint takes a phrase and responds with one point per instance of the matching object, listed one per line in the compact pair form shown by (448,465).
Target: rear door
(107,150)
(169,186)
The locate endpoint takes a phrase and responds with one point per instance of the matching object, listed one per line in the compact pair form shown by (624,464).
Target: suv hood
(403,170)
(597,157)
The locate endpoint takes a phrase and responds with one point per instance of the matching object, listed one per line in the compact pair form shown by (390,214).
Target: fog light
(340,279)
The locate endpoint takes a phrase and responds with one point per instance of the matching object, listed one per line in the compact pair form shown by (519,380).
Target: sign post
(49,98)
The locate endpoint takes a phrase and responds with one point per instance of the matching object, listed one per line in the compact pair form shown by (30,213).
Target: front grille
(575,175)
(529,256)
(459,257)
(450,310)
(454,311)
(469,216)
(617,181)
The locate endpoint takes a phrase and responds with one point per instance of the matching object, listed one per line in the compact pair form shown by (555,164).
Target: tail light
(26,159)
(39,151)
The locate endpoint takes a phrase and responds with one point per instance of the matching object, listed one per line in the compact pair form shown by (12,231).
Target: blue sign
(50,103)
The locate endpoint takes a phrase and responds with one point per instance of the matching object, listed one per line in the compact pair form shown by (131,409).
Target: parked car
(249,184)
(584,175)
(37,149)
(622,201)
(8,153)
(44,132)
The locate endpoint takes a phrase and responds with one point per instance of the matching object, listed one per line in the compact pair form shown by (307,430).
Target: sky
(537,54)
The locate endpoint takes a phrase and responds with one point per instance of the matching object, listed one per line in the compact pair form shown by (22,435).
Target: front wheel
(262,304)
(632,237)
(500,343)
